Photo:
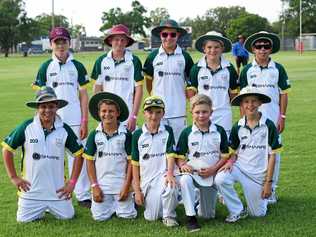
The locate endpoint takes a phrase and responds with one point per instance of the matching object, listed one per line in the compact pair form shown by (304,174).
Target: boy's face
(213,49)
(250,105)
(262,49)
(153,115)
(169,38)
(108,113)
(119,42)
(47,111)
(201,114)
(60,47)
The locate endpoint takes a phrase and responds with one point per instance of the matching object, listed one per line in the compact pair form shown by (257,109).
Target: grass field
(294,215)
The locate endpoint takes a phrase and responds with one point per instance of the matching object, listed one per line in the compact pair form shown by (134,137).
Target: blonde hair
(200,99)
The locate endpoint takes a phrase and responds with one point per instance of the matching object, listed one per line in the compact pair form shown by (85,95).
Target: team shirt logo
(36,156)
(34,140)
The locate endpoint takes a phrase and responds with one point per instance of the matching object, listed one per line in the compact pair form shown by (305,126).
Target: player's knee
(185,180)
(220,179)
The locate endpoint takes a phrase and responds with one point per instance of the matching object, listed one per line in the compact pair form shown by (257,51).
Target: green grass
(294,215)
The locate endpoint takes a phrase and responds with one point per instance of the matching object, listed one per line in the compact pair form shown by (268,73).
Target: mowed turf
(294,215)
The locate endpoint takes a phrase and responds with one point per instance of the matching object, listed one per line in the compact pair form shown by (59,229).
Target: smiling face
(153,116)
(60,48)
(250,104)
(262,50)
(201,115)
(213,49)
(108,113)
(47,112)
(169,38)
(119,43)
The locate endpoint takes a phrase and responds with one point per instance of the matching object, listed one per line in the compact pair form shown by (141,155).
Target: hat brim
(59,37)
(227,44)
(35,104)
(97,98)
(262,97)
(269,36)
(156,31)
(107,39)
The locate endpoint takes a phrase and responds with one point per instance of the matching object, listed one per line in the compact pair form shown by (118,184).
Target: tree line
(16,26)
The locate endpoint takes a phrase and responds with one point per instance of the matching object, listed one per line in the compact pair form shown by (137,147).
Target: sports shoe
(170,222)
(273,199)
(192,224)
(85,203)
(234,218)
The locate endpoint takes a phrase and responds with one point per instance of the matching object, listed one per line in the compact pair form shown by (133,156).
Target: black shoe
(85,203)
(192,224)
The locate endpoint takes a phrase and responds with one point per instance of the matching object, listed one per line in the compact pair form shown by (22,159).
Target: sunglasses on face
(153,101)
(171,34)
(260,46)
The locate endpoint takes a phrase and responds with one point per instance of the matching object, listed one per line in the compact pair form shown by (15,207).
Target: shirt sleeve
(224,142)
(233,79)
(274,137)
(233,138)
(192,83)
(128,143)
(72,143)
(234,50)
(170,143)
(284,82)
(90,147)
(243,81)
(96,71)
(138,75)
(41,77)
(83,79)
(182,146)
(188,63)
(135,151)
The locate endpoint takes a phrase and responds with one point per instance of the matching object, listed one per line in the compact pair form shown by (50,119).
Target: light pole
(301,43)
(53,16)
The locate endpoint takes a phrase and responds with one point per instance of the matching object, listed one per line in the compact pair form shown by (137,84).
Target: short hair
(108,102)
(200,99)
(218,41)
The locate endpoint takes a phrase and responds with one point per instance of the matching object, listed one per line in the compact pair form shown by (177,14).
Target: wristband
(231,161)
(72,181)
(283,116)
(94,185)
(133,116)
(269,181)
(84,120)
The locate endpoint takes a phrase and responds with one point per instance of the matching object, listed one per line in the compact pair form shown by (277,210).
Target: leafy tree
(157,15)
(77,30)
(45,22)
(200,25)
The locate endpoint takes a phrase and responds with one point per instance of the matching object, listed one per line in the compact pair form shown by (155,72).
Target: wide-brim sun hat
(103,96)
(153,101)
(264,35)
(119,30)
(213,36)
(168,24)
(250,91)
(46,95)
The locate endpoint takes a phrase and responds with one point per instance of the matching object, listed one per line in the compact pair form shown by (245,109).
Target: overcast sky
(89,13)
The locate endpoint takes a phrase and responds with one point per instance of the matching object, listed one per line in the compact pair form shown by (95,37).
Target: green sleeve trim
(90,147)
(72,141)
(17,137)
(148,68)
(182,146)
(138,76)
(188,63)
(135,151)
(273,140)
(82,73)
(243,81)
(170,141)
(224,141)
(41,77)
(233,77)
(193,78)
(234,141)
(128,143)
(283,83)
(96,71)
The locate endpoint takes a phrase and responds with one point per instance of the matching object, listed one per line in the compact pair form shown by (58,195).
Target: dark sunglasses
(153,101)
(260,46)
(171,34)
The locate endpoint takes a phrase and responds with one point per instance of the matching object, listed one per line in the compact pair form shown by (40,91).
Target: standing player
(271,79)
(255,141)
(240,53)
(206,147)
(166,70)
(215,77)
(153,165)
(68,78)
(107,150)
(43,139)
(119,72)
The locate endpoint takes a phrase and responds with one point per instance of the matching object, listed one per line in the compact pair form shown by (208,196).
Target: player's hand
(124,193)
(207,172)
(267,190)
(66,191)
(83,130)
(281,124)
(186,168)
(227,167)
(21,184)
(139,198)
(131,124)
(171,181)
(97,194)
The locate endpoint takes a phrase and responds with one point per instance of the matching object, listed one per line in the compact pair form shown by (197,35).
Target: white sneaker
(170,222)
(234,218)
(273,199)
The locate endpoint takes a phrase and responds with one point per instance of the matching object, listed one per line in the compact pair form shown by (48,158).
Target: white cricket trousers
(160,200)
(208,196)
(82,188)
(30,210)
(110,205)
(225,183)
(177,125)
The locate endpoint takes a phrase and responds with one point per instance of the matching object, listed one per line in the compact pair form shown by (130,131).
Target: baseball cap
(153,101)
(59,33)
